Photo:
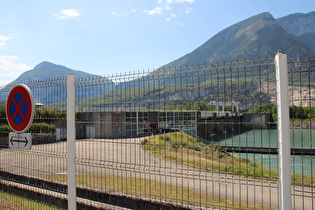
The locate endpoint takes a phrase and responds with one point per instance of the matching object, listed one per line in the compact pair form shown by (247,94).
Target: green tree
(2,110)
(297,112)
(188,106)
(203,106)
(265,108)
(274,113)
(309,112)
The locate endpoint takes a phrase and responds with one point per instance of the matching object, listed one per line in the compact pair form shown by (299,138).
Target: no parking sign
(20,108)
(20,113)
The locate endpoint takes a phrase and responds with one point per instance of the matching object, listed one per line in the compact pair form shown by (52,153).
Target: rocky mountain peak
(298,23)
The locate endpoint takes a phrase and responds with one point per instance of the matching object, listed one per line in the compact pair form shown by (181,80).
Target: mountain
(301,26)
(257,36)
(46,70)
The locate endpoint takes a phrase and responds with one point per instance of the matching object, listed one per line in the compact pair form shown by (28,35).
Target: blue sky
(106,37)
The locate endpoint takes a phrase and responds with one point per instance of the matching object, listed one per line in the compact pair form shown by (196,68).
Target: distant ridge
(298,24)
(46,70)
(257,36)
(301,26)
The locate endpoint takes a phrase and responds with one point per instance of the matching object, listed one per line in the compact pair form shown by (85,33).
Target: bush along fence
(221,135)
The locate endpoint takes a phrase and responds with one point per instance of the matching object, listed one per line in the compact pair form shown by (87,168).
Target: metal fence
(188,137)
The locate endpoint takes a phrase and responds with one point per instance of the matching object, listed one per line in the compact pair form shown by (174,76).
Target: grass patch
(187,150)
(307,120)
(9,201)
(190,151)
(303,180)
(153,189)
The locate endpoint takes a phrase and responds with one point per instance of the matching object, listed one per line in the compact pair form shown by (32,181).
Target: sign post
(72,195)
(20,114)
(283,131)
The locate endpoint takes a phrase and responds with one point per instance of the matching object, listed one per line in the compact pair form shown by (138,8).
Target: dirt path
(125,157)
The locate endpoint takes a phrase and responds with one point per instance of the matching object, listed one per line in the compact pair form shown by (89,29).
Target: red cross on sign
(20,108)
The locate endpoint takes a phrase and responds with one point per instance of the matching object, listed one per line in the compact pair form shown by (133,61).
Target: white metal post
(137,116)
(166,120)
(196,124)
(283,131)
(72,203)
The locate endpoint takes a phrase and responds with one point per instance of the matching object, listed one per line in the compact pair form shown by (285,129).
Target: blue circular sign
(20,108)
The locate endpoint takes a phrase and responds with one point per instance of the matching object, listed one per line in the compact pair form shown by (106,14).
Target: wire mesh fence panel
(190,137)
(26,171)
(302,110)
(165,134)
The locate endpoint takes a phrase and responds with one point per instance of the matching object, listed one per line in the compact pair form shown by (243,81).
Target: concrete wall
(37,138)
(106,124)
(257,121)
(219,128)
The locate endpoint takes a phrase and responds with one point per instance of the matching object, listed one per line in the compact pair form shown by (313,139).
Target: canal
(300,138)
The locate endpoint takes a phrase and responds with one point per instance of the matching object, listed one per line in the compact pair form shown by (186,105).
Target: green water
(300,138)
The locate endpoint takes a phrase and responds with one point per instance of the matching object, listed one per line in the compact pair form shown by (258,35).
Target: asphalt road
(125,157)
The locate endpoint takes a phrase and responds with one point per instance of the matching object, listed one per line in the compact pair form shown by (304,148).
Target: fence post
(72,201)
(283,131)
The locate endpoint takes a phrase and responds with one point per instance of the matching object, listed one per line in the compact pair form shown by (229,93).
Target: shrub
(178,143)
(196,148)
(42,128)
(144,142)
(165,138)
(4,130)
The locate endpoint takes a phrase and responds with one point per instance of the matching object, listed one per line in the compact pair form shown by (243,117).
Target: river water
(300,138)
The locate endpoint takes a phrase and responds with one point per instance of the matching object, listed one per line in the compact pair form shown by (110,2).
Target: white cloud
(172,16)
(188,10)
(10,68)
(156,10)
(177,1)
(168,8)
(3,40)
(169,11)
(68,14)
(182,1)
(121,14)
